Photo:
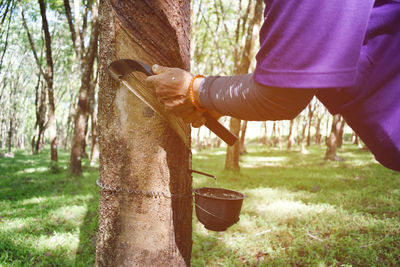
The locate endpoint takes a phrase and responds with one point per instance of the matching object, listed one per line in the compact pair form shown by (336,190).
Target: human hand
(171,85)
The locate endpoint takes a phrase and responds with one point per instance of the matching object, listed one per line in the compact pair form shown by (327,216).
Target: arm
(243,98)
(238,96)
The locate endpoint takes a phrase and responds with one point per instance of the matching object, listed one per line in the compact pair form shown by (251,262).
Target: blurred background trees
(48,77)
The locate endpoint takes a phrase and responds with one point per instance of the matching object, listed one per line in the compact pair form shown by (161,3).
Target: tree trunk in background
(273,135)
(233,152)
(331,141)
(2,132)
(40,119)
(340,133)
(263,139)
(71,110)
(142,225)
(86,58)
(35,128)
(303,132)
(10,133)
(311,110)
(243,138)
(318,130)
(356,140)
(94,152)
(242,67)
(327,125)
(49,74)
(12,113)
(290,139)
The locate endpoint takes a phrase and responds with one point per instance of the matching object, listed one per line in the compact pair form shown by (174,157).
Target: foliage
(213,36)
(19,64)
(300,211)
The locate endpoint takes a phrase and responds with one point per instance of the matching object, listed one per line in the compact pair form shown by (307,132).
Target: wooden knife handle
(219,129)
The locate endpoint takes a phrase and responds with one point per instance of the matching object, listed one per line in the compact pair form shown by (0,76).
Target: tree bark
(141,225)
(340,133)
(40,119)
(94,152)
(12,113)
(331,141)
(48,75)
(290,139)
(233,152)
(243,138)
(40,101)
(311,111)
(318,130)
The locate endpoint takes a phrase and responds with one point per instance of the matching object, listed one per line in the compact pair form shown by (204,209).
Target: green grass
(46,219)
(303,211)
(300,211)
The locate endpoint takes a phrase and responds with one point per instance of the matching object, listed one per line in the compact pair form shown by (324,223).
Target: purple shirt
(349,51)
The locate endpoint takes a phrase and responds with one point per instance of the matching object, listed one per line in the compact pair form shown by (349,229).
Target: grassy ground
(300,211)
(304,211)
(46,219)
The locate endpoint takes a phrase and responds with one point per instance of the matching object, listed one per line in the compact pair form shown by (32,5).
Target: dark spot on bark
(148,112)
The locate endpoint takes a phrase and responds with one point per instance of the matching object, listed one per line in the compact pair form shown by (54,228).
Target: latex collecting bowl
(218,208)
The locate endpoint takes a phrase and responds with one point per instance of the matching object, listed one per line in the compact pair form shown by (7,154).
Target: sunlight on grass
(14,224)
(254,162)
(33,170)
(56,199)
(71,214)
(289,209)
(201,156)
(67,241)
(34,200)
(276,203)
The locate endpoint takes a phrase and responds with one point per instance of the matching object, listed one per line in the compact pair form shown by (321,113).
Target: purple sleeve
(311,44)
(241,97)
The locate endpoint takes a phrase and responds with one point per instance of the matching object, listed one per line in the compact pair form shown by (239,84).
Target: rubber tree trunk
(141,225)
(290,139)
(331,141)
(263,139)
(318,130)
(233,152)
(49,75)
(311,111)
(340,133)
(94,148)
(83,108)
(243,138)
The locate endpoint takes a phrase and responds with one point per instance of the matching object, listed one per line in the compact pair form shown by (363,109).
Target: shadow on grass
(88,236)
(46,219)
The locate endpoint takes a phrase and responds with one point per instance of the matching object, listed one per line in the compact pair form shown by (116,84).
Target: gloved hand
(172,86)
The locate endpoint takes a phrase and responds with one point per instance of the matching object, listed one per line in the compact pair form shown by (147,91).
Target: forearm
(241,97)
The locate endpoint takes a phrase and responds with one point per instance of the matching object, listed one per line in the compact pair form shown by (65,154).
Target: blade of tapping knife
(178,129)
(130,88)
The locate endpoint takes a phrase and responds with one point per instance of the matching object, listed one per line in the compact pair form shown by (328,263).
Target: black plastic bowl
(218,208)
